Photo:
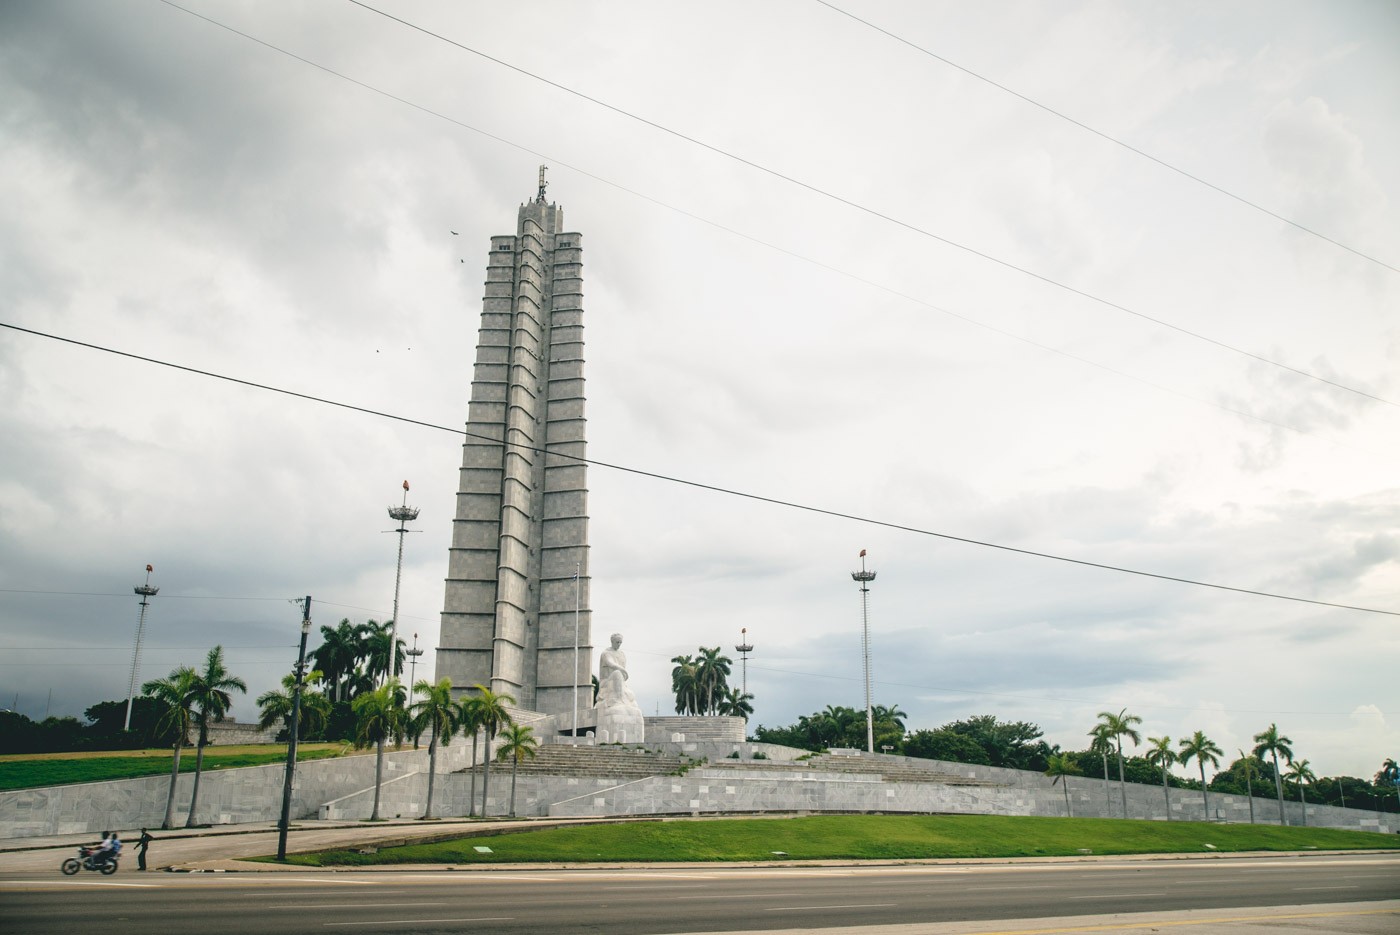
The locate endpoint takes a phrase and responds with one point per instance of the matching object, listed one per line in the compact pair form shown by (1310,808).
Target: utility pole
(146,592)
(403,514)
(865,577)
(292,728)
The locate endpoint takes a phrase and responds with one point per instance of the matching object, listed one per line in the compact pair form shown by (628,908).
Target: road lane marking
(91,883)
(357,905)
(1155,924)
(729,896)
(423,921)
(823,908)
(1116,896)
(1305,889)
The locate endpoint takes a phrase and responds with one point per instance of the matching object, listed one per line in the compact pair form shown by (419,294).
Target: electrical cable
(559,163)
(865,209)
(913,228)
(638,472)
(1104,136)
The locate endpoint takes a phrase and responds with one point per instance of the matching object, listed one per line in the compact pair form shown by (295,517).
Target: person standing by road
(142,843)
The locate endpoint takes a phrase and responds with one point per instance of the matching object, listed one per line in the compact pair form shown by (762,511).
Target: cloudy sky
(1111,282)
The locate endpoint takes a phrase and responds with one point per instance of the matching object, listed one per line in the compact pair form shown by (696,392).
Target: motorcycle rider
(110,848)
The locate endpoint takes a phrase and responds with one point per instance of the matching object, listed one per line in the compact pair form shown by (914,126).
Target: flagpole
(578,584)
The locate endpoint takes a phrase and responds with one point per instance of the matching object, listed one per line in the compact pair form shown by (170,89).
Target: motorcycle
(85,861)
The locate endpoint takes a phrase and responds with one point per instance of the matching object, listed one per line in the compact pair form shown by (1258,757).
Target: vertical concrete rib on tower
(521,527)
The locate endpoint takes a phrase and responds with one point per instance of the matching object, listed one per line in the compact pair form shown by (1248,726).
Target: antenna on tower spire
(542,183)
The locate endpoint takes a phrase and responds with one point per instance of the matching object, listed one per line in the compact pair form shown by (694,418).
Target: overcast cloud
(173,189)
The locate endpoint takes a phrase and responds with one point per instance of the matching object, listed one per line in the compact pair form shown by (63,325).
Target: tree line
(1261,772)
(350,695)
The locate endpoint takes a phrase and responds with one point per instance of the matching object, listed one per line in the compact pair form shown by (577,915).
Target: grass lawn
(858,837)
(26,771)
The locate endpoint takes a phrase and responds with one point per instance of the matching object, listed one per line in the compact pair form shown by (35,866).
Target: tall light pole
(292,728)
(146,592)
(413,655)
(743,649)
(403,514)
(578,588)
(865,577)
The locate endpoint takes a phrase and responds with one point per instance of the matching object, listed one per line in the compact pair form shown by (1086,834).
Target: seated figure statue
(619,715)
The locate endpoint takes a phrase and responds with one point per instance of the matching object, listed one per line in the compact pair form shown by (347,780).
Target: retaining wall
(226,796)
(343,789)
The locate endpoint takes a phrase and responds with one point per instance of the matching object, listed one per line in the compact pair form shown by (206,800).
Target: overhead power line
(1112,139)
(759,498)
(561,163)
(865,209)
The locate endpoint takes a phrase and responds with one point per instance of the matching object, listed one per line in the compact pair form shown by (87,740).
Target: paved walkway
(220,847)
(224,848)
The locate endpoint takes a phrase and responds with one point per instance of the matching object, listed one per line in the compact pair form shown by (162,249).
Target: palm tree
(1118,726)
(1271,742)
(376,650)
(379,717)
(1204,750)
(1389,773)
(684,683)
(1061,766)
(210,697)
(711,677)
(892,717)
(492,715)
(275,705)
(174,692)
(518,743)
(839,723)
(337,656)
(735,703)
(1299,774)
(1248,783)
(1101,744)
(437,713)
(1162,755)
(469,721)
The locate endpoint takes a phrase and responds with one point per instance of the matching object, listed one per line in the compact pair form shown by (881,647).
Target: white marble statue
(619,715)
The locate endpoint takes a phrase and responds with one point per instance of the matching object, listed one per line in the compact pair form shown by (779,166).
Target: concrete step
(608,762)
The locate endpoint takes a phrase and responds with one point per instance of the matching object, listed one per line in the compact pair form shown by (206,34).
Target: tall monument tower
(515,617)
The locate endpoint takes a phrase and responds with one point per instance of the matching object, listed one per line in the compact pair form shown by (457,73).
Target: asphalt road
(1359,893)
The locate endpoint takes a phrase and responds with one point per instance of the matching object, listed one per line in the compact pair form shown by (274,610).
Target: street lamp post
(865,577)
(413,655)
(743,649)
(292,728)
(146,591)
(578,587)
(403,514)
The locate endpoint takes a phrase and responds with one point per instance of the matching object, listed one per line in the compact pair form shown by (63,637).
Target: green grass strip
(28,774)
(857,837)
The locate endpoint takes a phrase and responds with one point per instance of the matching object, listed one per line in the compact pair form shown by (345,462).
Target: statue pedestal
(620,722)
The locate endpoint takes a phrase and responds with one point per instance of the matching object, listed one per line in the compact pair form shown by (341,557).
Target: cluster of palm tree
(1107,738)
(386,715)
(840,726)
(701,685)
(192,700)
(353,658)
